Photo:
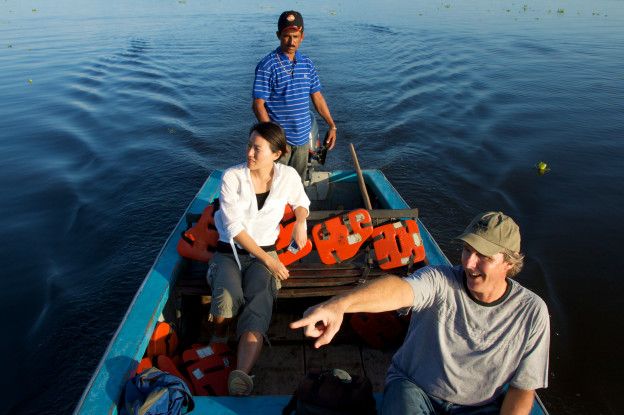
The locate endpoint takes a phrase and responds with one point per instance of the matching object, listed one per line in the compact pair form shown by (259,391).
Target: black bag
(332,392)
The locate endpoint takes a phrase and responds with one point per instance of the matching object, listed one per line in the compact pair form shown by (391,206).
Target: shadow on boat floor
(284,362)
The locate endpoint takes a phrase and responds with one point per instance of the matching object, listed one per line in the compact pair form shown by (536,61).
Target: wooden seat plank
(319,215)
(313,292)
(325,282)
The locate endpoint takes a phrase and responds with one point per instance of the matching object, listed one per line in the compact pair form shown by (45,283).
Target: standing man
(285,81)
(473,331)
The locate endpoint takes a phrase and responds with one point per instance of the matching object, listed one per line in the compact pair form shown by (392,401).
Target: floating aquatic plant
(560,11)
(34,10)
(525,7)
(30,81)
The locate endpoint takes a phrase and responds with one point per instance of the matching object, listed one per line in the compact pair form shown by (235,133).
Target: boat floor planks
(290,355)
(279,370)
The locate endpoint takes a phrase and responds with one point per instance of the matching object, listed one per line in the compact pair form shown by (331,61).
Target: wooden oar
(368,206)
(358,170)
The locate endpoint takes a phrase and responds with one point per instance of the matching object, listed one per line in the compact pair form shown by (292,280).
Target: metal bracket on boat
(366,270)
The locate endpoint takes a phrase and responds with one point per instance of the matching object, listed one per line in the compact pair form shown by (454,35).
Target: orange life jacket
(164,340)
(144,364)
(398,244)
(209,375)
(200,351)
(339,238)
(287,254)
(199,242)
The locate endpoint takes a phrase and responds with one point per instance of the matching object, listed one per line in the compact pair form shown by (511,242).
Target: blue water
(113,113)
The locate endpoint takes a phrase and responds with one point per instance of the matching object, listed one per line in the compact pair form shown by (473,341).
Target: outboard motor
(318,149)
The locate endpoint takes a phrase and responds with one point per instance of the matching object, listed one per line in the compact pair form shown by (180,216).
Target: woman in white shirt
(245,272)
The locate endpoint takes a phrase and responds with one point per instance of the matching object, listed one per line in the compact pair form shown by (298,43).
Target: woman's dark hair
(273,133)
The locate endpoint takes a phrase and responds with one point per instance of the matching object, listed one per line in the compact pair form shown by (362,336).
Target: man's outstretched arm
(517,402)
(323,320)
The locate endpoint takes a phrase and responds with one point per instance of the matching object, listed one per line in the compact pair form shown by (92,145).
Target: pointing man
(477,342)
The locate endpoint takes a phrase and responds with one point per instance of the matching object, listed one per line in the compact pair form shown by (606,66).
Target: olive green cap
(492,232)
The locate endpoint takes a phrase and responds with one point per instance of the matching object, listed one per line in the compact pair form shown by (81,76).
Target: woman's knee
(226,302)
(225,281)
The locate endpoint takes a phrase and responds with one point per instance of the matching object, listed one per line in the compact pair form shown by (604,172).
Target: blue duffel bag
(154,392)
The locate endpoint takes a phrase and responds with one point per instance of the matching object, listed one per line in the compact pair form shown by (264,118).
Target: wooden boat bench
(308,277)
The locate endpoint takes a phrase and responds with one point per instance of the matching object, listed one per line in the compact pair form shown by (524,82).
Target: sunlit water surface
(112,114)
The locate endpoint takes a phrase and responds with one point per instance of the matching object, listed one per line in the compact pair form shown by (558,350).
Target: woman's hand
(300,233)
(277,268)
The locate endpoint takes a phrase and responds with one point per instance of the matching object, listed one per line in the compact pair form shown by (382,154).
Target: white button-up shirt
(239,207)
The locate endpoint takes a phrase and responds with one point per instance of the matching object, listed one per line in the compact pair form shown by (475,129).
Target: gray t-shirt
(464,351)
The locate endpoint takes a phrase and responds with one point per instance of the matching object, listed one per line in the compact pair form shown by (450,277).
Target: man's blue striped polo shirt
(285,86)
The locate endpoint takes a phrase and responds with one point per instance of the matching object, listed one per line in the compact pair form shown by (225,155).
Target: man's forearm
(384,294)
(517,402)
(323,321)
(321,107)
